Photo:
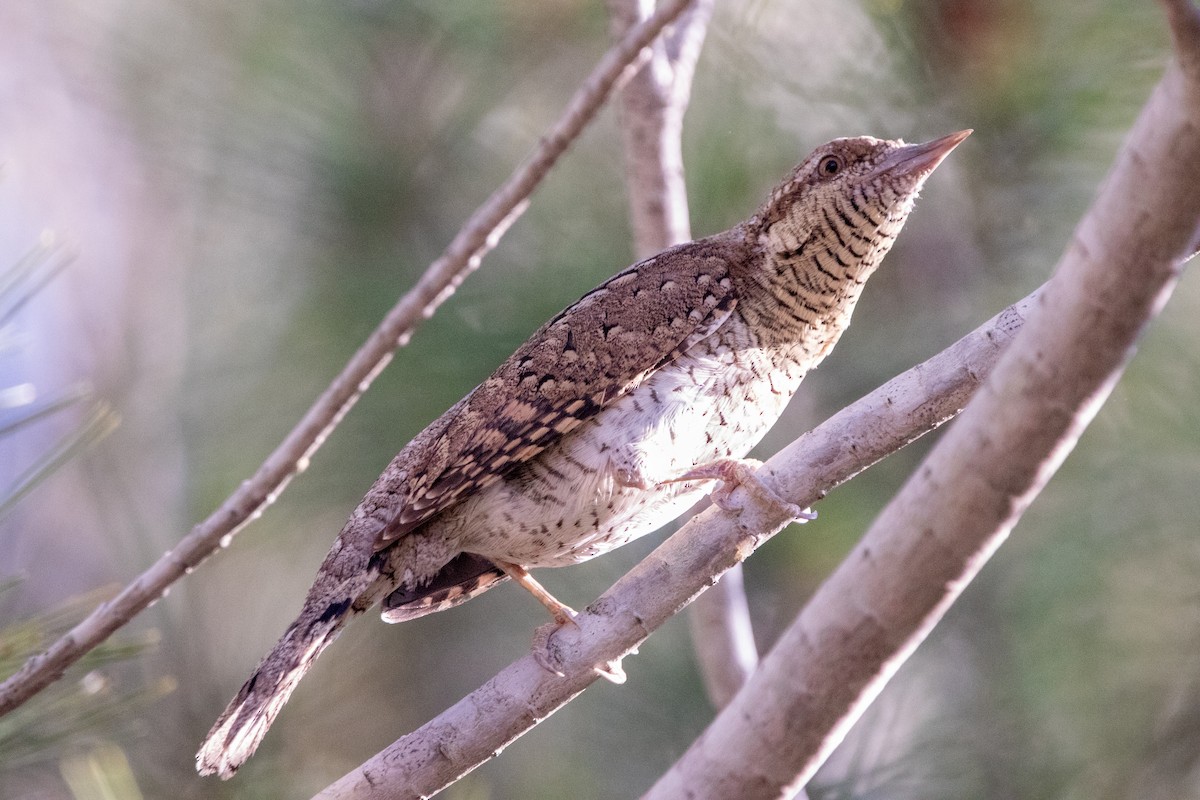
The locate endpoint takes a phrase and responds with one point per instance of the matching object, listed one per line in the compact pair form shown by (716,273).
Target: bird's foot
(733,473)
(546,654)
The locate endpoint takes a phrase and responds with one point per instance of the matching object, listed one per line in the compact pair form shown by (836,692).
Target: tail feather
(353,578)
(331,603)
(465,577)
(237,732)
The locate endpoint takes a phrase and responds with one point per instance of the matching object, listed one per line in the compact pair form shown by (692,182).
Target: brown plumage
(575,444)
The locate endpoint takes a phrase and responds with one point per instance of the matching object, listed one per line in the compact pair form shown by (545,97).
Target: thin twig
(959,506)
(523,694)
(462,256)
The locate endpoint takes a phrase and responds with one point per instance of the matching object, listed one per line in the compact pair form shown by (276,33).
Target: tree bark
(937,533)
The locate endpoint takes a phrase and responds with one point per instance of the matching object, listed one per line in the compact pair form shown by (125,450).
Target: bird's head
(850,197)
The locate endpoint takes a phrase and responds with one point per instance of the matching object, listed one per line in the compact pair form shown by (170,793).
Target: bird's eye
(831,165)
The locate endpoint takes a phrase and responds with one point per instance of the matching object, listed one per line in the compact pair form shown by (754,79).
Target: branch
(936,534)
(479,235)
(480,725)
(723,637)
(651,109)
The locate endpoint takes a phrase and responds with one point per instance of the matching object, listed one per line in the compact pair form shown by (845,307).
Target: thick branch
(954,512)
(479,235)
(480,725)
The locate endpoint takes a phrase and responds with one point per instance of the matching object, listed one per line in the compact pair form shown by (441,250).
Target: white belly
(604,484)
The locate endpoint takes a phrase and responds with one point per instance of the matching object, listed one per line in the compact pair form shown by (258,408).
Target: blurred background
(206,206)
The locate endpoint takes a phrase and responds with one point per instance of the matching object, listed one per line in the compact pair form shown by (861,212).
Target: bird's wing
(592,353)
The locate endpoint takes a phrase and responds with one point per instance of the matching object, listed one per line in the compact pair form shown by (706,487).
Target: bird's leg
(564,616)
(732,473)
(628,471)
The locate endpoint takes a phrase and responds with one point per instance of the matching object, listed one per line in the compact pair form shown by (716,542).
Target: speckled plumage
(570,448)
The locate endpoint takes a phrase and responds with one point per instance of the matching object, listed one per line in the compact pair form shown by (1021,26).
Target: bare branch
(651,107)
(484,722)
(479,235)
(723,637)
(936,534)
(1184,20)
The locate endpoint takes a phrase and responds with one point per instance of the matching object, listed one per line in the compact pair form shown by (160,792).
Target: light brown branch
(484,722)
(462,256)
(651,108)
(723,637)
(1184,20)
(936,534)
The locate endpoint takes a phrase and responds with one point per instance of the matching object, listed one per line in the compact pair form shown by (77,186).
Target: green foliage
(20,406)
(54,726)
(64,721)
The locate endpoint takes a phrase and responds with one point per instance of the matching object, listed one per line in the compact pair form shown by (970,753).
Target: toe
(543,650)
(611,671)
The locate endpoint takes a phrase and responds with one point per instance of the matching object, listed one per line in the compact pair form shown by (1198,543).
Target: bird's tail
(237,732)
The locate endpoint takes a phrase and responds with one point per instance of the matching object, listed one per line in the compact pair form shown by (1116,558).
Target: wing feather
(589,355)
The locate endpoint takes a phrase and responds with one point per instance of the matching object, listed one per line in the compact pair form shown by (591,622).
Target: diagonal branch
(479,235)
(523,694)
(932,539)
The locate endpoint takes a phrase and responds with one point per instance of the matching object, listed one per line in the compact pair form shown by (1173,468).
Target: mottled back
(595,351)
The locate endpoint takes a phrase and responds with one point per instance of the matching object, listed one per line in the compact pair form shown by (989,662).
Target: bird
(613,419)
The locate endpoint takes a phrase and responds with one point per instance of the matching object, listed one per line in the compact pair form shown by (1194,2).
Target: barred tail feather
(237,732)
(351,580)
(466,576)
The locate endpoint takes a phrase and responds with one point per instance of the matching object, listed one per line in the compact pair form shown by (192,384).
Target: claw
(743,472)
(547,657)
(611,671)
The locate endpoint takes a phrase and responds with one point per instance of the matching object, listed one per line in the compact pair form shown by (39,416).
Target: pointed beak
(918,160)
